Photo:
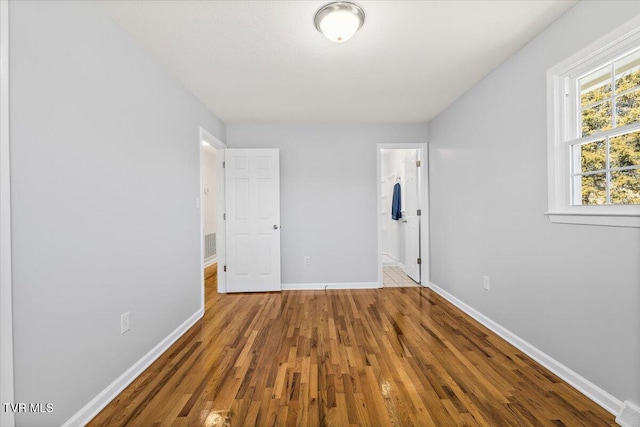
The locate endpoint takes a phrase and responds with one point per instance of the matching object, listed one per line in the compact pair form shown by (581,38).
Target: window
(594,133)
(607,170)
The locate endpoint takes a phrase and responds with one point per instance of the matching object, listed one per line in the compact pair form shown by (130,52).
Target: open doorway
(402,222)
(209,219)
(212,153)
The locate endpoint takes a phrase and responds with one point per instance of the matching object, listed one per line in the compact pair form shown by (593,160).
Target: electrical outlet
(307,260)
(486,282)
(124,323)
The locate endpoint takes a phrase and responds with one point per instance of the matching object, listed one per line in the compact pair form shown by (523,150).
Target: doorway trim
(206,136)
(425,272)
(7,418)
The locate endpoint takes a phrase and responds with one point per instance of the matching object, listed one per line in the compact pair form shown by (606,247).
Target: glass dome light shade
(339,21)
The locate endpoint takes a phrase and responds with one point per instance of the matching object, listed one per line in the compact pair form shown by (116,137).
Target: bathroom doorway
(402,216)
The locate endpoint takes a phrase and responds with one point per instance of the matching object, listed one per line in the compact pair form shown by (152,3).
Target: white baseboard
(323,286)
(210,261)
(584,386)
(390,260)
(91,409)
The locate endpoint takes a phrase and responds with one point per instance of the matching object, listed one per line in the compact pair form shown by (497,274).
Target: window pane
(625,187)
(596,118)
(628,72)
(628,108)
(625,150)
(593,156)
(593,188)
(595,86)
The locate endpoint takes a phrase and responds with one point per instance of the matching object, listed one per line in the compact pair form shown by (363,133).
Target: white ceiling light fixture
(339,21)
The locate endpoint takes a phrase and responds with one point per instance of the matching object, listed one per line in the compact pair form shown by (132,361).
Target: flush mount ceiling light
(339,21)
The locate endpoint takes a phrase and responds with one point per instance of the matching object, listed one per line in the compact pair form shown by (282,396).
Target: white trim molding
(91,409)
(611,220)
(329,286)
(210,261)
(584,386)
(393,264)
(7,418)
(220,256)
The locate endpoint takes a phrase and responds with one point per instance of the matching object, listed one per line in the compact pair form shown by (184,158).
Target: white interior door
(252,179)
(411,218)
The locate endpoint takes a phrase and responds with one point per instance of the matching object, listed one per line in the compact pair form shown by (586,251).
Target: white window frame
(562,122)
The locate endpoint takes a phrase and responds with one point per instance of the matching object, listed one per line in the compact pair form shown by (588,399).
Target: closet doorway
(402,215)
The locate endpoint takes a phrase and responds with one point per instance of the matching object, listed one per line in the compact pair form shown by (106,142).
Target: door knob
(275,227)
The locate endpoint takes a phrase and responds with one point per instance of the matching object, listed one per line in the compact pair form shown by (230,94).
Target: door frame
(423,154)
(209,138)
(7,418)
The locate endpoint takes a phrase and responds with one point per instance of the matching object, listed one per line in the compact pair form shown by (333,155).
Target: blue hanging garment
(396,211)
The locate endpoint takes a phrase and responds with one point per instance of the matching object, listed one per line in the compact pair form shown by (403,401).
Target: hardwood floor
(384,357)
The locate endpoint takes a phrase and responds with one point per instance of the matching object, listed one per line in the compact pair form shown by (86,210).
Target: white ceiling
(264,61)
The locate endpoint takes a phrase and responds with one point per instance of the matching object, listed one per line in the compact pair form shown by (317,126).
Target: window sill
(608,220)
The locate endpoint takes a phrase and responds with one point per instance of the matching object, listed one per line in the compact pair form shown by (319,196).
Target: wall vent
(629,415)
(209,245)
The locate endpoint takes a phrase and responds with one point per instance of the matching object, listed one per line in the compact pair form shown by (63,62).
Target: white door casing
(252,178)
(220,147)
(411,219)
(7,418)
(423,188)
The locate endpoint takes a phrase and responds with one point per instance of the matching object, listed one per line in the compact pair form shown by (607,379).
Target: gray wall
(328,195)
(104,158)
(572,291)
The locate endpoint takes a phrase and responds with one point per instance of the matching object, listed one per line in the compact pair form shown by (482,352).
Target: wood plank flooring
(384,357)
